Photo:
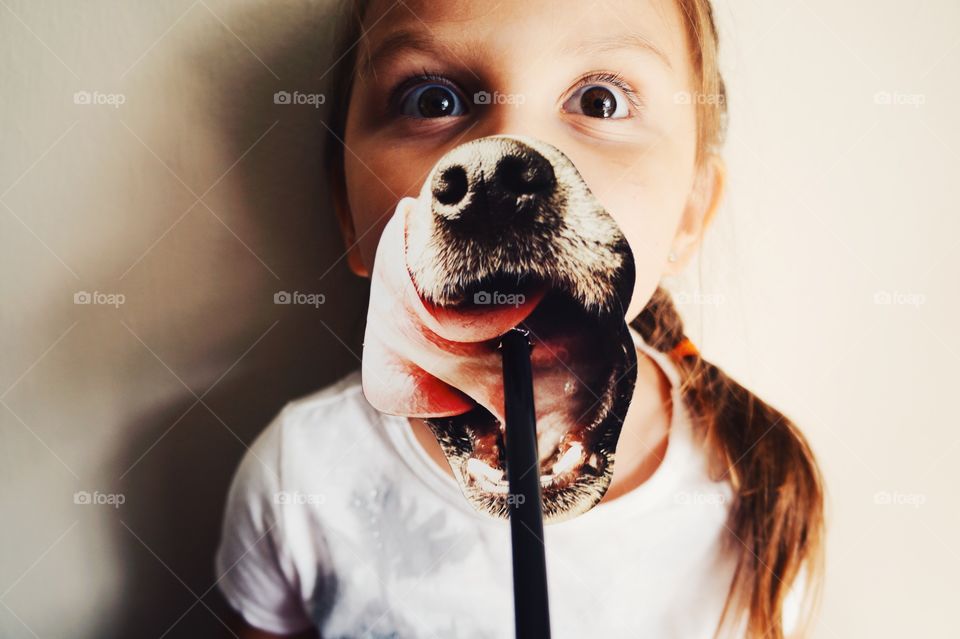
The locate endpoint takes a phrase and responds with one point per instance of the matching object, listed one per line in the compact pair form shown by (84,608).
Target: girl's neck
(643,439)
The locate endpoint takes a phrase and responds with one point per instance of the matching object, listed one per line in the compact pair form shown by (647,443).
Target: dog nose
(491,182)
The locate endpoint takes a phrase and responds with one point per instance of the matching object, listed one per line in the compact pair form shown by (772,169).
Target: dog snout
(490,183)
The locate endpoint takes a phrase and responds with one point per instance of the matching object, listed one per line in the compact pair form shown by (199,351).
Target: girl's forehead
(464,29)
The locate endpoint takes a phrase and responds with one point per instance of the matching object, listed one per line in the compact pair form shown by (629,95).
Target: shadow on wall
(184,452)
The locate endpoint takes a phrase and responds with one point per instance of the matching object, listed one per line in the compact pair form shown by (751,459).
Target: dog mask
(505,233)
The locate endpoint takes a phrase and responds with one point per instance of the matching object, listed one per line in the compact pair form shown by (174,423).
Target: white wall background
(198,199)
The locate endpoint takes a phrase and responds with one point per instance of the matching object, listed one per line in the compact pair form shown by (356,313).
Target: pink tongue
(480,322)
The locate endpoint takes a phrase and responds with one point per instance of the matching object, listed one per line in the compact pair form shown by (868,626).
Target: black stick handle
(531,610)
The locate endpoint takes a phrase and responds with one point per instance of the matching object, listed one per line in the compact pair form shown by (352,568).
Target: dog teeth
(569,459)
(492,480)
(479,469)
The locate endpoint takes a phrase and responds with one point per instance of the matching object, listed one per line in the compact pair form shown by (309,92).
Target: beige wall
(102,199)
(834,198)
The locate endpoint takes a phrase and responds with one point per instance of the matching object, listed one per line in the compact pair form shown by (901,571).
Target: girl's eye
(598,101)
(432,101)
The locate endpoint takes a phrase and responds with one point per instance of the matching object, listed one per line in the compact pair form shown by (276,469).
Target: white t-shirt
(337,518)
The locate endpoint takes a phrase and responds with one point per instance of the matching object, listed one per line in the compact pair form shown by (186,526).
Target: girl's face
(609,83)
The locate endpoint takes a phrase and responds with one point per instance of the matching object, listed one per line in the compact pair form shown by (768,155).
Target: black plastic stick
(531,610)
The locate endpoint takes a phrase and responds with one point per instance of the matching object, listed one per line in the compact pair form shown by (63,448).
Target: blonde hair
(711,93)
(775,524)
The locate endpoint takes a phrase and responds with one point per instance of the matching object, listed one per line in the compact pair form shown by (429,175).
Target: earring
(672,257)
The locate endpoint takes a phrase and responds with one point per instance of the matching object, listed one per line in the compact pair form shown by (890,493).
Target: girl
(344,522)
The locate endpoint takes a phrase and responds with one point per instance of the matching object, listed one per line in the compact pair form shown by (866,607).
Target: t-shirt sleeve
(253,568)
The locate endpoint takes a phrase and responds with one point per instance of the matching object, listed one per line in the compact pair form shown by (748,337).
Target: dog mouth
(581,389)
(488,307)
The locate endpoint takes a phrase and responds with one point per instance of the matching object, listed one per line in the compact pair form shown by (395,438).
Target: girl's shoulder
(327,424)
(337,392)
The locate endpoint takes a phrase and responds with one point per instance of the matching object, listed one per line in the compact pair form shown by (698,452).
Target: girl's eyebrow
(394,44)
(404,40)
(605,43)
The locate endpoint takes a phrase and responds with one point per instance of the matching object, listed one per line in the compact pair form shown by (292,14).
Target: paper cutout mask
(504,233)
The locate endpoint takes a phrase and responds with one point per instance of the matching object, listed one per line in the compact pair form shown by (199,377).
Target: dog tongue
(478,322)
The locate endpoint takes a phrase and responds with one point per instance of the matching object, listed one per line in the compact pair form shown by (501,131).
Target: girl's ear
(341,206)
(702,205)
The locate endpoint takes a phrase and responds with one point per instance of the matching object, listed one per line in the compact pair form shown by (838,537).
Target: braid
(659,323)
(775,522)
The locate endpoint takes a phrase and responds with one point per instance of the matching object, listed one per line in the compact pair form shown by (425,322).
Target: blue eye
(432,101)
